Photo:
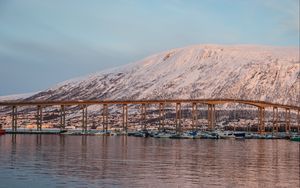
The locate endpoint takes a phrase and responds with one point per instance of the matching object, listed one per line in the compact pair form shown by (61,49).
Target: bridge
(211,116)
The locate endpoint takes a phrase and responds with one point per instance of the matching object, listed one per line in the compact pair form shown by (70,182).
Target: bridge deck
(256,103)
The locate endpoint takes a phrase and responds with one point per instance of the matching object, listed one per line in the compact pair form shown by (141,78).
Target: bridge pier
(194,115)
(105,117)
(62,117)
(298,121)
(1,123)
(261,126)
(178,117)
(275,119)
(211,116)
(144,116)
(39,117)
(14,118)
(125,117)
(287,120)
(161,116)
(84,118)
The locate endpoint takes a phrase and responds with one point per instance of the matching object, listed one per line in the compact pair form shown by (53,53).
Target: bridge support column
(14,118)
(62,117)
(125,117)
(1,123)
(194,115)
(287,120)
(161,116)
(39,118)
(211,117)
(261,126)
(275,119)
(298,121)
(214,117)
(144,111)
(105,117)
(178,118)
(84,118)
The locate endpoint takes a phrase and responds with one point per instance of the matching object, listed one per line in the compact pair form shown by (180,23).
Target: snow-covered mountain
(16,96)
(201,71)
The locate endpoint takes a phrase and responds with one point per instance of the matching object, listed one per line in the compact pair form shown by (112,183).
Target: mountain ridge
(200,71)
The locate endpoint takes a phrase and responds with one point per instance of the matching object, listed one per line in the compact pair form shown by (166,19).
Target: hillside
(201,71)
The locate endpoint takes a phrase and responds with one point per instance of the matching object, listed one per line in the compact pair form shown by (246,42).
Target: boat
(226,134)
(104,133)
(2,131)
(101,133)
(209,135)
(249,136)
(269,136)
(122,133)
(258,136)
(139,134)
(175,136)
(295,138)
(239,135)
(77,132)
(184,135)
(213,135)
(190,134)
(162,135)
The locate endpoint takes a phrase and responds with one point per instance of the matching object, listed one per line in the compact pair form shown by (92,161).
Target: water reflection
(97,161)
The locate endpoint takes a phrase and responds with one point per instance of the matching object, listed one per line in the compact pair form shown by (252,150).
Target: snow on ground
(16,96)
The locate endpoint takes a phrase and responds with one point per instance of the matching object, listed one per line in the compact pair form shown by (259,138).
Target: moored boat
(226,134)
(239,135)
(249,136)
(295,138)
(209,135)
(162,135)
(175,136)
(2,131)
(189,134)
(143,133)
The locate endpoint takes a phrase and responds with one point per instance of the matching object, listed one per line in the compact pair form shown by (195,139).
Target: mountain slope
(202,71)
(17,96)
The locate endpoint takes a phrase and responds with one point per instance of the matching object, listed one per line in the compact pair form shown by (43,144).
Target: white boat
(190,134)
(249,136)
(103,133)
(186,135)
(162,135)
(226,134)
(208,135)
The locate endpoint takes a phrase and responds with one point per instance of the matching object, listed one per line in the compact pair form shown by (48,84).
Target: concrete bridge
(211,117)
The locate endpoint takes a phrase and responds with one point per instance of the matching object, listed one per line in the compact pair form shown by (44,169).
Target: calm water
(95,161)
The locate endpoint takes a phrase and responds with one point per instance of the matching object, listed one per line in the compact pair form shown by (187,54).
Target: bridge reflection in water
(210,103)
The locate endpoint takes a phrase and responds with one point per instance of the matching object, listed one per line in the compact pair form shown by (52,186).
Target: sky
(45,42)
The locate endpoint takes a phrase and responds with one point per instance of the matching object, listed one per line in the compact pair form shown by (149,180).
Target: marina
(217,134)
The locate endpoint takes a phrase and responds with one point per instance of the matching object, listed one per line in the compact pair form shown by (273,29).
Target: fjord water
(120,161)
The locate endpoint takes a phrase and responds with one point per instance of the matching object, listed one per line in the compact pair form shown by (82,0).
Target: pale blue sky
(45,42)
